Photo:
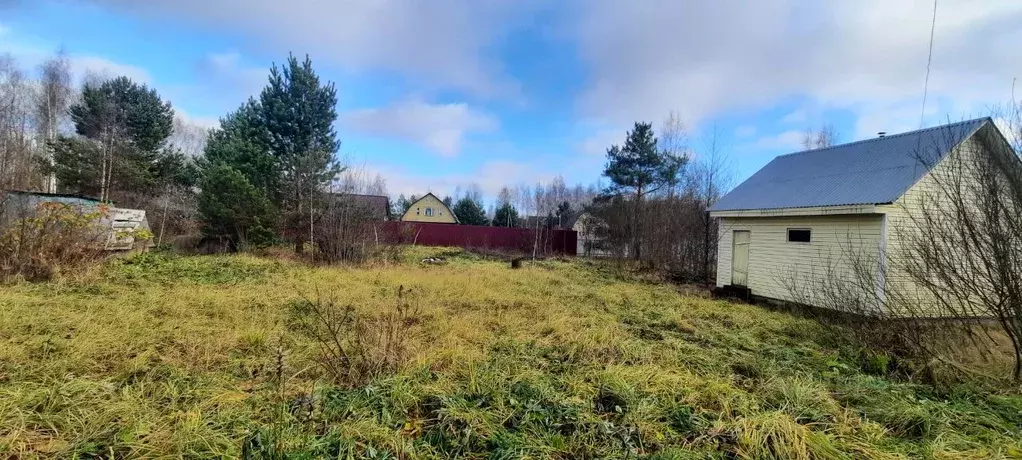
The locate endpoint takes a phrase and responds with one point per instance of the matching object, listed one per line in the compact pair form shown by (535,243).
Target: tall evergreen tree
(470,212)
(640,168)
(298,113)
(564,214)
(505,216)
(125,110)
(232,208)
(242,142)
(129,125)
(283,144)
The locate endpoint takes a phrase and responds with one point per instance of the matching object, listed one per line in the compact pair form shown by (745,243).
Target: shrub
(57,237)
(355,348)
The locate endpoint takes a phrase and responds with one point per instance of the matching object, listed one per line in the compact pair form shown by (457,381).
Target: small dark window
(798,235)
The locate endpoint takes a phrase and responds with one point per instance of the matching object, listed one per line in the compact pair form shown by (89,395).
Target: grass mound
(163,356)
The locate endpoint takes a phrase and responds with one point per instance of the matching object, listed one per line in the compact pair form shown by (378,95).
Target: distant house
(372,207)
(119,224)
(592,233)
(805,215)
(429,209)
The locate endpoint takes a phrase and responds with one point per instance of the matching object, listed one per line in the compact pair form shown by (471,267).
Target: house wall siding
(774,263)
(904,217)
(417,213)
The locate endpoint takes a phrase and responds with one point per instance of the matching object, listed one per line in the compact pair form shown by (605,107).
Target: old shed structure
(117,226)
(811,218)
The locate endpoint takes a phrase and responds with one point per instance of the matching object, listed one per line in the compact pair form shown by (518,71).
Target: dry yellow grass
(174,357)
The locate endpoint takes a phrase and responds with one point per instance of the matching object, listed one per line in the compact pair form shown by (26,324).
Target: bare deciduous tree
(673,138)
(825,137)
(713,174)
(16,140)
(964,245)
(55,93)
(187,137)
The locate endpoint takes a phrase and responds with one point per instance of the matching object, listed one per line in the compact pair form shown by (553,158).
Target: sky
(438,94)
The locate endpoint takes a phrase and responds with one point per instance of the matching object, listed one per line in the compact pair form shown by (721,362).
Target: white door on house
(740,258)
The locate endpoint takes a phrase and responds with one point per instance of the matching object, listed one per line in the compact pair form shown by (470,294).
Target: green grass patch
(168,357)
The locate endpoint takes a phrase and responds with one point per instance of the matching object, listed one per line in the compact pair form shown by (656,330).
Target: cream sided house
(812,217)
(429,208)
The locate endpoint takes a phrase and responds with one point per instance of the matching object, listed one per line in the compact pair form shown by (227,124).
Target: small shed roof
(66,198)
(871,171)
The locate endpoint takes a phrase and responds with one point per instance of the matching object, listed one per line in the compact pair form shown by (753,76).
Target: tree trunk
(636,225)
(706,246)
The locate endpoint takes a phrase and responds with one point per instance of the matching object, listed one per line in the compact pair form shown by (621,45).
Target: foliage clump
(55,238)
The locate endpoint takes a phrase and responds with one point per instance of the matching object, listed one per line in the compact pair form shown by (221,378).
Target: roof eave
(803,211)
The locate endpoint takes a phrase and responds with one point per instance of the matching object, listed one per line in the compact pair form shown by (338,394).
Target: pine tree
(242,142)
(470,212)
(563,214)
(640,168)
(283,144)
(232,208)
(128,125)
(298,113)
(505,216)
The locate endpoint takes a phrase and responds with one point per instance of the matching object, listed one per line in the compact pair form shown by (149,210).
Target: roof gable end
(446,208)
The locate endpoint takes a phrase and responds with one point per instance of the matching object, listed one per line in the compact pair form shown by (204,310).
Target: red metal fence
(550,241)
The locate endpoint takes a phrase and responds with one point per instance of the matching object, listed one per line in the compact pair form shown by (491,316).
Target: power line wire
(929,60)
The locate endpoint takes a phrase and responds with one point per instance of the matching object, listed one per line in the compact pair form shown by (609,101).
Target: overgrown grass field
(172,357)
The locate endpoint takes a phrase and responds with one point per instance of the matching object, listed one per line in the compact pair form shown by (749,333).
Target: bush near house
(56,238)
(162,356)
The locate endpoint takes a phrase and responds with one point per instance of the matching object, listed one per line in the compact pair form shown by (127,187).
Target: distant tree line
(269,172)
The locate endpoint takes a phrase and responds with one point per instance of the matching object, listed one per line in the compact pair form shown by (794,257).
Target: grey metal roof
(871,171)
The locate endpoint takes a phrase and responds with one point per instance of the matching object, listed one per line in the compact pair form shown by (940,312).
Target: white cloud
(785,142)
(601,140)
(29,56)
(797,116)
(444,43)
(84,65)
(227,71)
(711,57)
(221,81)
(4,30)
(489,176)
(441,128)
(745,131)
(199,121)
